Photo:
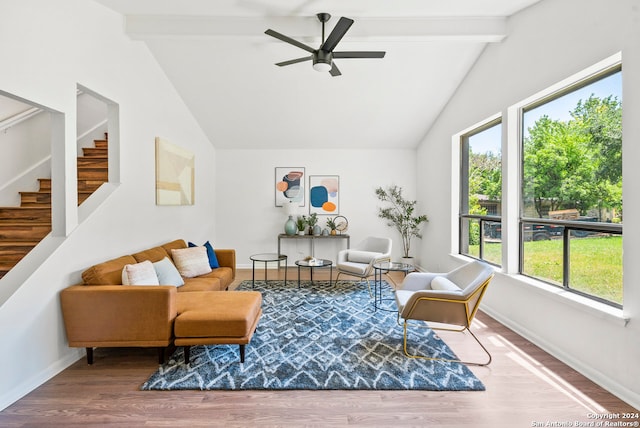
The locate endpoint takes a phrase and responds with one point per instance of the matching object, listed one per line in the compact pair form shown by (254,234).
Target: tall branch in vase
(401,215)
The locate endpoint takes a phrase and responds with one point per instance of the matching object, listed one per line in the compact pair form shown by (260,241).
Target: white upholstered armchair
(449,298)
(358,261)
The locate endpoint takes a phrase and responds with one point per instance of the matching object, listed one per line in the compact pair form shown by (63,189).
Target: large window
(481,193)
(571,204)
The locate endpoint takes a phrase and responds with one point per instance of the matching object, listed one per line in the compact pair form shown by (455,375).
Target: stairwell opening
(37,189)
(27,135)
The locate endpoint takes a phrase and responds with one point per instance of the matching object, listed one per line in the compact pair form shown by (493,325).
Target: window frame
(593,74)
(463,209)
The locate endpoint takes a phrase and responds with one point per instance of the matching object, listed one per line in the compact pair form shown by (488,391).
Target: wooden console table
(313,239)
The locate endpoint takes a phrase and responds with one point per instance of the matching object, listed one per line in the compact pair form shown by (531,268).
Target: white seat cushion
(359,256)
(402,297)
(355,268)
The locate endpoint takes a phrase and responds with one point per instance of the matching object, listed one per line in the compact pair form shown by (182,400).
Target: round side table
(320,263)
(384,267)
(266,258)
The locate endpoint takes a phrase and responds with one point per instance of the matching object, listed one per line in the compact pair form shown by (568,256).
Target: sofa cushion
(142,273)
(224,274)
(213,259)
(154,254)
(222,314)
(167,273)
(191,261)
(201,283)
(107,273)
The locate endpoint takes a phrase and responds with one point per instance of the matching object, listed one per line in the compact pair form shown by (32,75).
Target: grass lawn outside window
(595,263)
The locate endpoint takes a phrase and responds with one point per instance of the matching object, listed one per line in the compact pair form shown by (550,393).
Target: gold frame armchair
(358,261)
(451,298)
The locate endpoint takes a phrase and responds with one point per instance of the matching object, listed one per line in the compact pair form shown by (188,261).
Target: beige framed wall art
(175,169)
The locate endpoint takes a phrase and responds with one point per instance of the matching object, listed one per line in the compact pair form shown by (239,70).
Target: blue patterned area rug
(320,336)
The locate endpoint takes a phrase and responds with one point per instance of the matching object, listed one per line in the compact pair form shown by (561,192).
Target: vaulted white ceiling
(220,61)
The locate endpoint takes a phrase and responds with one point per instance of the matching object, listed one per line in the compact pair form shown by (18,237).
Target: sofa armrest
(227,258)
(118,315)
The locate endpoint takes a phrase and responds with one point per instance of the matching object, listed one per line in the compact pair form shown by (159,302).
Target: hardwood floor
(525,387)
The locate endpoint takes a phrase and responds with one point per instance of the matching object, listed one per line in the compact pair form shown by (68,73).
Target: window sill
(592,307)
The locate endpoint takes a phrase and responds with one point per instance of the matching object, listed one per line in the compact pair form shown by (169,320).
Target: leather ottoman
(216,318)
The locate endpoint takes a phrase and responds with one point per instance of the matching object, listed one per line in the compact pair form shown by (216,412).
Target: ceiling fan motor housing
(322,61)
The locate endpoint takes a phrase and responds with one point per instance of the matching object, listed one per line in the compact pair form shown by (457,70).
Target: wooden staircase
(23,227)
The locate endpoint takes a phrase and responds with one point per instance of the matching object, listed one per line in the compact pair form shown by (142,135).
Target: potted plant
(301,223)
(401,215)
(312,220)
(331,224)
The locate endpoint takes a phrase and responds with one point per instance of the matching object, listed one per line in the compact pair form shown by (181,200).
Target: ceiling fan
(323,56)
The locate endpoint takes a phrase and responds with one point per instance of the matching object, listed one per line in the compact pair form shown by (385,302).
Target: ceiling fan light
(321,66)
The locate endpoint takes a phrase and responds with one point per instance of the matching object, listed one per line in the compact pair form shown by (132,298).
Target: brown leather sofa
(102,312)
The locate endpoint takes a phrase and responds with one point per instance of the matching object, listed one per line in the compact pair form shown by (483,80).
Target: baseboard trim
(29,385)
(630,397)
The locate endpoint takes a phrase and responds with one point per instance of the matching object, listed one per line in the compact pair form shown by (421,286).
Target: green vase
(290,227)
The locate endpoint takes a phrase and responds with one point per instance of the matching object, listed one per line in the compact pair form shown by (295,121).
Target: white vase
(408,260)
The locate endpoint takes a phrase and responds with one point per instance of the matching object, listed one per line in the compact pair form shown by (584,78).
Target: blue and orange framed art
(324,194)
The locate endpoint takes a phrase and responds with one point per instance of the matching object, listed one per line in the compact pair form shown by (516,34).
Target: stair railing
(18,118)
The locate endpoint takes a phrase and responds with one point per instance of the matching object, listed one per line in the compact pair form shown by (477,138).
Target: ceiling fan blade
(359,54)
(334,70)
(337,34)
(289,40)
(294,61)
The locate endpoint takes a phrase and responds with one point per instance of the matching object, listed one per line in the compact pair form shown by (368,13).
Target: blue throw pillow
(167,273)
(213,260)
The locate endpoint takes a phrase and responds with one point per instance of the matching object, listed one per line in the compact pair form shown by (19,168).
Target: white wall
(53,45)
(26,153)
(249,221)
(91,121)
(546,44)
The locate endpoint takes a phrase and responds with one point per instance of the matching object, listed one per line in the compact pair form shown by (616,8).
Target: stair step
(35,198)
(93,175)
(26,214)
(95,151)
(39,199)
(82,196)
(15,251)
(89,185)
(101,162)
(101,144)
(18,231)
(45,183)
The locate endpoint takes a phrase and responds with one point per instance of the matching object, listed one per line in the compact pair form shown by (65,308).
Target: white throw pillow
(141,273)
(358,256)
(192,261)
(443,284)
(167,273)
